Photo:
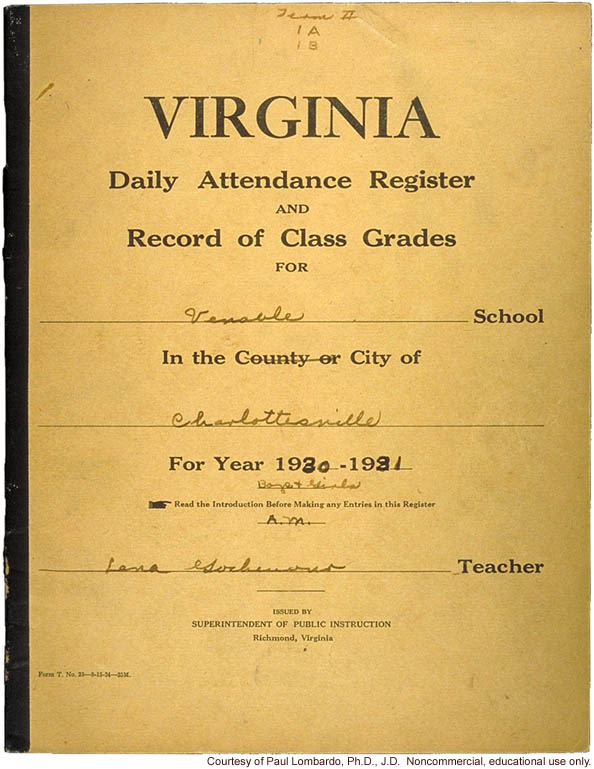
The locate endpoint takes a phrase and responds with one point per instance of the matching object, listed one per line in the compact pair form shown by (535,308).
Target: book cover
(297,378)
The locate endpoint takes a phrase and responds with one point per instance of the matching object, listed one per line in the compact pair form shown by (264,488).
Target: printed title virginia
(211,116)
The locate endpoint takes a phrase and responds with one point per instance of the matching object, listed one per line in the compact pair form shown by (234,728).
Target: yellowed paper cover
(308,395)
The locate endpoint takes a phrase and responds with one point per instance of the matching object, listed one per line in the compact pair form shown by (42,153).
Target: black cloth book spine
(16,276)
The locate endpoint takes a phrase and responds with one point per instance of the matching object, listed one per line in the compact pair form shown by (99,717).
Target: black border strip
(16,276)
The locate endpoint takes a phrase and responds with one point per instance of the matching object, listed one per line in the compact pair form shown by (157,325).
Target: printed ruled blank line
(248,571)
(302,427)
(247,323)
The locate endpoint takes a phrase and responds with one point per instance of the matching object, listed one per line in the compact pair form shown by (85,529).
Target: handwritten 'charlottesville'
(273,418)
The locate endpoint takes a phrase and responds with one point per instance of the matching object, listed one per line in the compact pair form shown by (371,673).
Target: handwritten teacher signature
(214,566)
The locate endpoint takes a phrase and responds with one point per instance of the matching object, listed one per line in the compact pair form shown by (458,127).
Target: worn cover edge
(16,271)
